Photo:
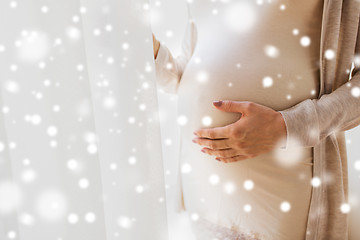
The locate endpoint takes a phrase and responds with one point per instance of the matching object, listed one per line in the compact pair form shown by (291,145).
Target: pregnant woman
(253,133)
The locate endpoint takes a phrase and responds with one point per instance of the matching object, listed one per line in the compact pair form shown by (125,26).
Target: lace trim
(206,230)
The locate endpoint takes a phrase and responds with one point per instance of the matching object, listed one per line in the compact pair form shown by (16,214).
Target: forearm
(311,120)
(169,69)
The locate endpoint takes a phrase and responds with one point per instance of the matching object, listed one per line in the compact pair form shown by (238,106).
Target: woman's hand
(259,130)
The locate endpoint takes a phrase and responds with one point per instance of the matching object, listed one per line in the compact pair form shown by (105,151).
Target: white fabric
(80,149)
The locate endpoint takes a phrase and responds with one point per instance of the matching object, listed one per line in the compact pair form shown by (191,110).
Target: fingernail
(195,133)
(194,141)
(203,150)
(217,103)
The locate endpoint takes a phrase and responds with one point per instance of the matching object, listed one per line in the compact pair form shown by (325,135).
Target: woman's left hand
(259,130)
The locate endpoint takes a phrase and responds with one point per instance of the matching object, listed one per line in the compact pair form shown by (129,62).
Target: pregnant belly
(215,191)
(278,85)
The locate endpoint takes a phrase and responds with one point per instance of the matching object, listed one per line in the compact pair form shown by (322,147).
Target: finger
(225,153)
(233,106)
(232,159)
(213,143)
(213,133)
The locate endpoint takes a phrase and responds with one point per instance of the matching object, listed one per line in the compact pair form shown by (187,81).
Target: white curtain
(80,149)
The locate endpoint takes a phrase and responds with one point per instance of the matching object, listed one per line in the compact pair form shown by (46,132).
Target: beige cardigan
(319,123)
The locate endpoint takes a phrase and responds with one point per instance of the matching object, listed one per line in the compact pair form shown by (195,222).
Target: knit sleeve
(168,68)
(312,120)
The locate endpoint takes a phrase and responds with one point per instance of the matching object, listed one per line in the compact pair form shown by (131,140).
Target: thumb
(232,106)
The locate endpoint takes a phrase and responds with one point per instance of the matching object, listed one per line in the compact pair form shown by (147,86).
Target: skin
(259,130)
(156,45)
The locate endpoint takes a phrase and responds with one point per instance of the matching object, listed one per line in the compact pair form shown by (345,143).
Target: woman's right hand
(156,46)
